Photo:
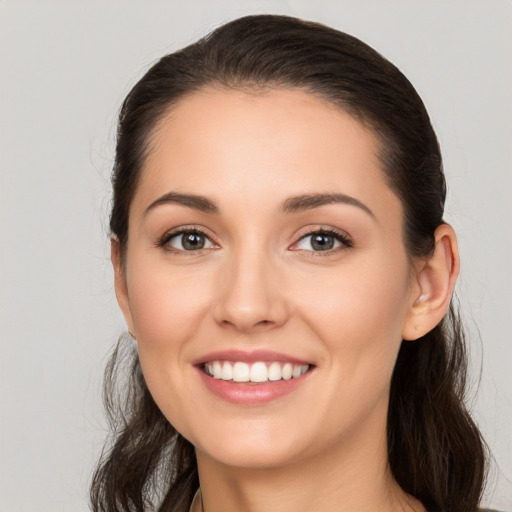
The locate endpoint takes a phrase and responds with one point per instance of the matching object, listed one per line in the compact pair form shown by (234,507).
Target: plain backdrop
(65,67)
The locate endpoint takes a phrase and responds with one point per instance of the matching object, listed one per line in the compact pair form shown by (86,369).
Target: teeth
(241,372)
(227,372)
(217,370)
(274,371)
(256,372)
(287,371)
(297,371)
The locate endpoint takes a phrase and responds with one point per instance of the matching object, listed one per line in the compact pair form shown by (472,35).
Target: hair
(436,452)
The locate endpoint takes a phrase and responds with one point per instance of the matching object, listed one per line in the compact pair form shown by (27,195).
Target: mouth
(258,372)
(252,378)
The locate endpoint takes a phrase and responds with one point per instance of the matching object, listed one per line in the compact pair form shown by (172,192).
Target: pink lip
(248,357)
(250,393)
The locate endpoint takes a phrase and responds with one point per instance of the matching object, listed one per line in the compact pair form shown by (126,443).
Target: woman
(283,266)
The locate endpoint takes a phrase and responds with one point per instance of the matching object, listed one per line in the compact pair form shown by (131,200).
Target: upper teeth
(255,372)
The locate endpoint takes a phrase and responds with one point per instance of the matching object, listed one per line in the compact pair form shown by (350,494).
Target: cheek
(167,311)
(358,313)
(166,306)
(363,298)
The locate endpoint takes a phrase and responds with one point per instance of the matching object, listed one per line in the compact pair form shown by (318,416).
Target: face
(266,278)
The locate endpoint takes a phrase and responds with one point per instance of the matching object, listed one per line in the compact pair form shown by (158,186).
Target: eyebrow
(201,203)
(293,204)
(308,201)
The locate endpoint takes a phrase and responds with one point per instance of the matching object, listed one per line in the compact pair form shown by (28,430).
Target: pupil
(193,241)
(322,242)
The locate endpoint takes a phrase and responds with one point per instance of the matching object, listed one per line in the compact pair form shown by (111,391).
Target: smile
(252,378)
(257,372)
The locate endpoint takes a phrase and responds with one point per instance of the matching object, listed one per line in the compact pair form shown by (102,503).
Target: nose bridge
(249,294)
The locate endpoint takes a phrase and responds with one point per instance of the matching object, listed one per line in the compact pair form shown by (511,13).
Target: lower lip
(246,393)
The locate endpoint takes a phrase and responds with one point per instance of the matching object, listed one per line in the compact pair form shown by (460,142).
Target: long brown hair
(436,452)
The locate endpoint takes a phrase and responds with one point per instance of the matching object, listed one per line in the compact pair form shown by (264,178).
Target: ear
(120,282)
(434,284)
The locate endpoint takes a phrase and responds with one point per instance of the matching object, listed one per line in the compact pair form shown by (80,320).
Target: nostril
(251,312)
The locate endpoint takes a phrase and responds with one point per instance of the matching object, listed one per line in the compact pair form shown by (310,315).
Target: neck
(352,478)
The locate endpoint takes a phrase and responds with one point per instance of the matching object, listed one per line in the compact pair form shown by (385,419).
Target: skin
(259,284)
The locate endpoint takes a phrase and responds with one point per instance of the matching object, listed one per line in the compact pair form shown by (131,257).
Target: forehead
(260,145)
(287,113)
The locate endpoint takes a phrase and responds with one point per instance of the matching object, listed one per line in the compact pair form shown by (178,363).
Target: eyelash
(346,242)
(167,237)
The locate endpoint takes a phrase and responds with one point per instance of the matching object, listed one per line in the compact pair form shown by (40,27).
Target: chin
(243,456)
(261,448)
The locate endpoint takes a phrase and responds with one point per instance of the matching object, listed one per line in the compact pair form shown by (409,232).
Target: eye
(322,241)
(186,240)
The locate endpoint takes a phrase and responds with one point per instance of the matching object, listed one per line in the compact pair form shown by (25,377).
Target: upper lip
(250,356)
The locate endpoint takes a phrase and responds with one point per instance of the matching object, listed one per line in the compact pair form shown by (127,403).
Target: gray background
(65,66)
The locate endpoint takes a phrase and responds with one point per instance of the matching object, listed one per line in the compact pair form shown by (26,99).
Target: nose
(250,296)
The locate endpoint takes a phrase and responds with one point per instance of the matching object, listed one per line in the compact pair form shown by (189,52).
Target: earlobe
(120,286)
(435,281)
